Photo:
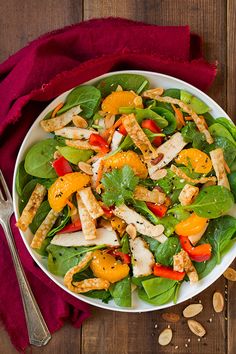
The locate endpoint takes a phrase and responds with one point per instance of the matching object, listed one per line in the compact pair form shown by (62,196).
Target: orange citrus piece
(199,161)
(115,100)
(63,187)
(105,266)
(192,225)
(129,158)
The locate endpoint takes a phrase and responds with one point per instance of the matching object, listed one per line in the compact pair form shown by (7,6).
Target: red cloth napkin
(44,69)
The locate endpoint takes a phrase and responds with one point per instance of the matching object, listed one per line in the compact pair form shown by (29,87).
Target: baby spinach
(22,178)
(137,83)
(218,129)
(219,234)
(156,286)
(228,125)
(209,119)
(121,292)
(212,202)
(228,147)
(87,97)
(125,244)
(39,157)
(141,207)
(158,300)
(174,93)
(74,155)
(232,182)
(147,113)
(169,116)
(26,193)
(61,259)
(138,280)
(204,268)
(103,295)
(195,103)
(84,273)
(41,214)
(165,251)
(192,135)
(61,222)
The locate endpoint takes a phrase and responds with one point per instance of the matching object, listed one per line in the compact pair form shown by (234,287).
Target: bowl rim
(95,302)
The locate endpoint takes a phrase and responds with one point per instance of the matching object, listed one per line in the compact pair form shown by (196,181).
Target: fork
(38,332)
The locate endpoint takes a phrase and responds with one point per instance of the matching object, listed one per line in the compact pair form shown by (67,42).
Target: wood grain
(112,332)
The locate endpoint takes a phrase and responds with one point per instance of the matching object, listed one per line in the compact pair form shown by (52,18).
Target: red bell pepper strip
(167,272)
(61,166)
(122,130)
(153,127)
(200,253)
(108,212)
(126,259)
(157,209)
(98,140)
(76,226)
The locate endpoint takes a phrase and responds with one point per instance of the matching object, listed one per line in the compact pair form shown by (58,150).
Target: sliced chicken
(88,223)
(43,229)
(188,194)
(95,169)
(75,133)
(188,179)
(77,239)
(154,196)
(31,207)
(52,124)
(194,239)
(143,259)
(91,203)
(138,136)
(143,226)
(116,140)
(217,158)
(182,262)
(82,145)
(169,150)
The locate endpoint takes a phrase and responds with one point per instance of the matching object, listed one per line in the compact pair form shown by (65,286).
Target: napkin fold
(39,72)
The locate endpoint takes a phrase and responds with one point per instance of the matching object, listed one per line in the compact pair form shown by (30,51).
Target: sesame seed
(155,326)
(168,326)
(210,319)
(200,301)
(186,345)
(176,347)
(189,340)
(199,339)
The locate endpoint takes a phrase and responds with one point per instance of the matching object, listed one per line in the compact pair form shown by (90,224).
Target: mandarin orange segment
(63,187)
(105,266)
(129,158)
(115,100)
(198,160)
(191,226)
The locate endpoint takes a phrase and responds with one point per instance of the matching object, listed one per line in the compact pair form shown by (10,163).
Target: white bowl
(36,134)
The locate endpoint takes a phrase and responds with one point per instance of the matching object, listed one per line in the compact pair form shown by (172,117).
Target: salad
(132,190)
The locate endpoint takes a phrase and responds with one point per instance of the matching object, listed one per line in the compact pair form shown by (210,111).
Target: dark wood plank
(136,332)
(231,110)
(23,21)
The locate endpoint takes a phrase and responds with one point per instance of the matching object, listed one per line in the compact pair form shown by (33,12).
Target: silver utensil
(38,332)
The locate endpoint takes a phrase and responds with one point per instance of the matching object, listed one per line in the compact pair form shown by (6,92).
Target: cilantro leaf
(119,186)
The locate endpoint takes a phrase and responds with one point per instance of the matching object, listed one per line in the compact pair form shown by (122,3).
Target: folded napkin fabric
(42,70)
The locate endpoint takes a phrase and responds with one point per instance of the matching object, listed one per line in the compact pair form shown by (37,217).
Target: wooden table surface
(109,332)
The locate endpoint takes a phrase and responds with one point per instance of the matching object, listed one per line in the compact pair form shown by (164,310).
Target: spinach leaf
(199,141)
(138,280)
(195,103)
(209,119)
(228,147)
(156,286)
(165,251)
(228,125)
(88,97)
(169,116)
(61,259)
(121,292)
(212,202)
(219,234)
(22,178)
(41,214)
(141,207)
(26,193)
(218,129)
(159,299)
(137,83)
(232,182)
(104,295)
(43,249)
(85,273)
(125,244)
(169,222)
(205,268)
(192,135)
(74,155)
(175,93)
(171,181)
(38,159)
(147,113)
(61,222)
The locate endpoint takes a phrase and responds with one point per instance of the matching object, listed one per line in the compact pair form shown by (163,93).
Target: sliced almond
(109,120)
(138,101)
(85,167)
(80,122)
(159,174)
(165,337)
(192,310)
(218,302)
(170,317)
(131,231)
(56,155)
(196,328)
(230,274)
(119,88)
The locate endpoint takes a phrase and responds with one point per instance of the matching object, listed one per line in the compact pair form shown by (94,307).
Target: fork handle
(38,332)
